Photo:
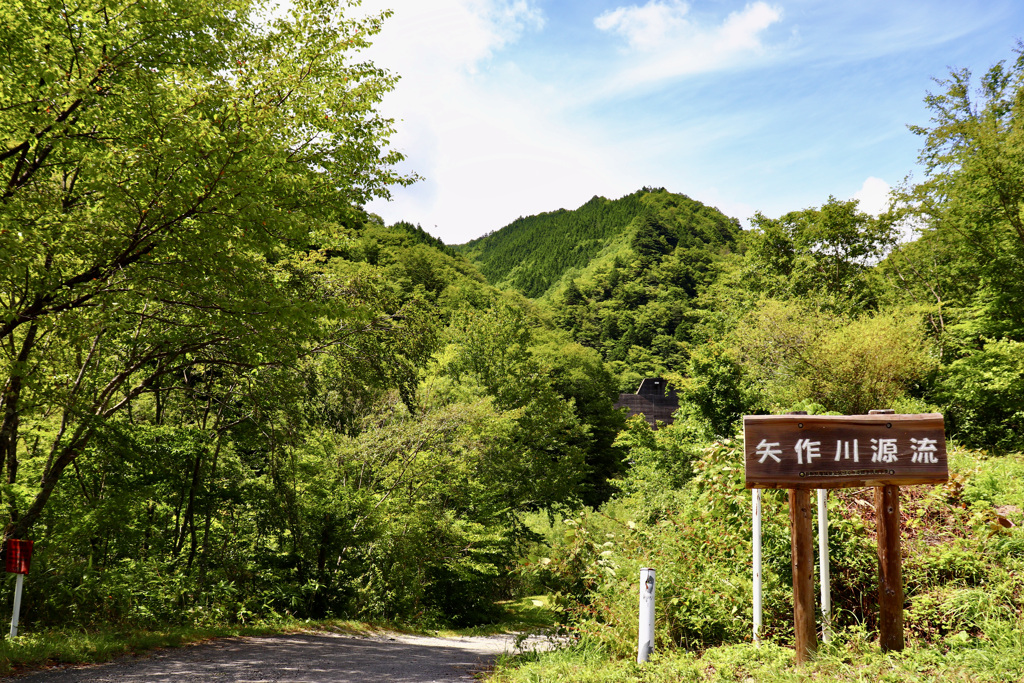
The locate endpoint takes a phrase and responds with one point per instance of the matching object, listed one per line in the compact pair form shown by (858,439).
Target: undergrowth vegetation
(963,573)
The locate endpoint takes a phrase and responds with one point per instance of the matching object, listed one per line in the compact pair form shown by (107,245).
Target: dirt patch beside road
(300,658)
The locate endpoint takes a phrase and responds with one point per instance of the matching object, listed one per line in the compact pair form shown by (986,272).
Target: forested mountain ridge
(533,254)
(619,275)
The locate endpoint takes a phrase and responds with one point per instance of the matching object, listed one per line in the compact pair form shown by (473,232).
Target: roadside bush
(659,460)
(983,396)
(697,537)
(848,365)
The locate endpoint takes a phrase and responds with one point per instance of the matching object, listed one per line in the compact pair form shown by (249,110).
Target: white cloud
(667,43)
(741,30)
(873,196)
(491,143)
(449,33)
(645,27)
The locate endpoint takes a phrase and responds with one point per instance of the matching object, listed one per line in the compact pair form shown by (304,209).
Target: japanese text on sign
(882,450)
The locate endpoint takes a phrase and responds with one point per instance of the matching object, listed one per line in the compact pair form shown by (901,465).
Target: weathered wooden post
(802,544)
(802,541)
(890,568)
(890,563)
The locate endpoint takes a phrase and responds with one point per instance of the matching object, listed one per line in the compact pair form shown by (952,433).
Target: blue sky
(508,108)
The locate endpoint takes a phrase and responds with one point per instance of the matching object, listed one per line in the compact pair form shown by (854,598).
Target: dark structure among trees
(651,401)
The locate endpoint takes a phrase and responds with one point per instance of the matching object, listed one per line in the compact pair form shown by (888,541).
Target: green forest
(231,395)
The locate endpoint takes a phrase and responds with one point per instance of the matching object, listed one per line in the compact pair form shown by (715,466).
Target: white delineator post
(757,566)
(646,644)
(823,563)
(19,583)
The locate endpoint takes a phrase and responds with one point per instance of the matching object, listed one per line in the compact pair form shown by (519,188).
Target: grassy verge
(963,568)
(997,656)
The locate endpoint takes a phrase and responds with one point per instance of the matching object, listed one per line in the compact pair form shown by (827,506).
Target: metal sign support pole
(17,605)
(757,568)
(823,562)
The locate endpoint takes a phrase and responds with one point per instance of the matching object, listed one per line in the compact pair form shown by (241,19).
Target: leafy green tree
(984,397)
(973,192)
(716,389)
(651,239)
(824,254)
(579,376)
(659,461)
(161,164)
(491,353)
(965,267)
(572,295)
(925,273)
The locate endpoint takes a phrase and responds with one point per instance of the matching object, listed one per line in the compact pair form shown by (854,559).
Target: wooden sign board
(842,451)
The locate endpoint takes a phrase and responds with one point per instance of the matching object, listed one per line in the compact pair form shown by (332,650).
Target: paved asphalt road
(305,658)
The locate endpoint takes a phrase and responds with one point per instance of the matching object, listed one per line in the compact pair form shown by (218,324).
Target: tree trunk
(187,522)
(11,402)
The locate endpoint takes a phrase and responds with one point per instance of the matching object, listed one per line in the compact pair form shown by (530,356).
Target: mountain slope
(534,253)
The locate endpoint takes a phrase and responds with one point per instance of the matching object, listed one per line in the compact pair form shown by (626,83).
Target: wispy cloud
(647,27)
(664,41)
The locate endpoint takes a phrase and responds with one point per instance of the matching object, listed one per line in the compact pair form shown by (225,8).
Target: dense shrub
(984,397)
(848,365)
